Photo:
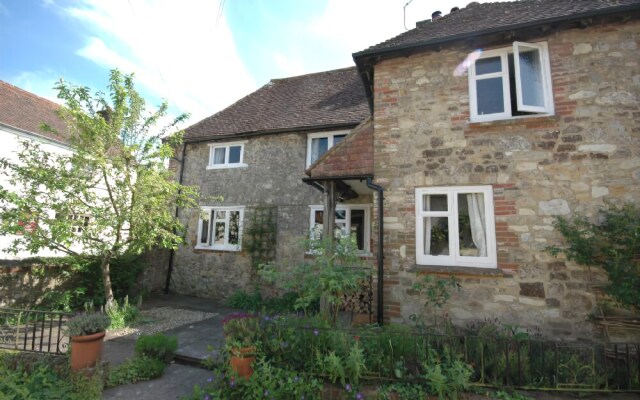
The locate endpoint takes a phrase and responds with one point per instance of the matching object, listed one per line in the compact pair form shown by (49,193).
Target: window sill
(453,270)
(507,120)
(235,249)
(227,166)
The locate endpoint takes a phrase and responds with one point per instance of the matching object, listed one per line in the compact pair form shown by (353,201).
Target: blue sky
(200,55)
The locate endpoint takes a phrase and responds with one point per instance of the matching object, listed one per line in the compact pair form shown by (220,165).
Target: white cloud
(175,49)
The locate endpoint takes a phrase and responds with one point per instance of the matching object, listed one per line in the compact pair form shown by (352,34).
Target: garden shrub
(122,315)
(83,281)
(136,369)
(35,376)
(613,243)
(158,347)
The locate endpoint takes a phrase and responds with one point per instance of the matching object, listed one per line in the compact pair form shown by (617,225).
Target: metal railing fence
(33,330)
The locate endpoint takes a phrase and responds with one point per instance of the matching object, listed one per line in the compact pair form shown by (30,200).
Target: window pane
(338,138)
(531,77)
(341,214)
(434,202)
(490,96)
(234,154)
(357,227)
(218,155)
(436,236)
(204,233)
(219,233)
(319,146)
(316,228)
(234,227)
(221,215)
(488,65)
(472,225)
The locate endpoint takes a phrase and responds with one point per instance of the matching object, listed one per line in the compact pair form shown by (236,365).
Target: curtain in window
(475,202)
(427,225)
(218,155)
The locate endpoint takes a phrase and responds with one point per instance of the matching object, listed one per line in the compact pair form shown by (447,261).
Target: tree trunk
(106,280)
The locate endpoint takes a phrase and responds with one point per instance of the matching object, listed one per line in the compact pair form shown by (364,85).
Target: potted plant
(87,334)
(242,334)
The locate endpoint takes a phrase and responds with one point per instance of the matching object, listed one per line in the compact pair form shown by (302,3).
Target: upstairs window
(227,155)
(455,226)
(220,228)
(320,143)
(511,82)
(350,219)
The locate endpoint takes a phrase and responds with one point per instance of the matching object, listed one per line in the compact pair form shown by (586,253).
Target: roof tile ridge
(30,94)
(314,73)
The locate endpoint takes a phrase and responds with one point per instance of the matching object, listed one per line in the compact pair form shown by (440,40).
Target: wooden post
(329,214)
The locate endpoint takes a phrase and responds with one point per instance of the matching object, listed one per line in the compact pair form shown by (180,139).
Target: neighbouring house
(254,154)
(22,115)
(482,127)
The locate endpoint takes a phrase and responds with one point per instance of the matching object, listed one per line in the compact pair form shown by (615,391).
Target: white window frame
(347,208)
(319,135)
(226,164)
(546,110)
(210,211)
(454,258)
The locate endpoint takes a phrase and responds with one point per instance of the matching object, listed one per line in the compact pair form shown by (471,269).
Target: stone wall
(273,177)
(540,168)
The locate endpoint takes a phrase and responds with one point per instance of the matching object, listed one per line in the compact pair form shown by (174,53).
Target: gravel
(160,320)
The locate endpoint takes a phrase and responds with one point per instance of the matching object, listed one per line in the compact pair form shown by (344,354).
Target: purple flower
(266,393)
(348,387)
(316,332)
(296,379)
(207,397)
(359,396)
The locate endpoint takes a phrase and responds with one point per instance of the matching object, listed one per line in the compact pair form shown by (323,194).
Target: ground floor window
(350,219)
(220,228)
(455,226)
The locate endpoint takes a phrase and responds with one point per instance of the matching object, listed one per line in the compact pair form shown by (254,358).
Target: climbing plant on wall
(261,234)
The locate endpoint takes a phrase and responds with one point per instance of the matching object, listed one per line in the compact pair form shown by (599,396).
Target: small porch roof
(350,161)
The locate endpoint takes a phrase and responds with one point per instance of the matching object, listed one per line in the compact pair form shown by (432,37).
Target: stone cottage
(485,125)
(254,154)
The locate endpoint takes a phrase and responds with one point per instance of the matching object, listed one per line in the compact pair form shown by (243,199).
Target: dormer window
(510,83)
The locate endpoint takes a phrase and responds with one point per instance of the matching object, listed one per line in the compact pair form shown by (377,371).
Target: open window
(510,83)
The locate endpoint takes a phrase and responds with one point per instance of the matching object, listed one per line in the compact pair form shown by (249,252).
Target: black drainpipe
(380,191)
(172,251)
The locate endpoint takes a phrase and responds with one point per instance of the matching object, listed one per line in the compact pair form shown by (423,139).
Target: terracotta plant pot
(86,350)
(242,361)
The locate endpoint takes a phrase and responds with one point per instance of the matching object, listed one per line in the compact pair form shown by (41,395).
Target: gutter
(380,305)
(318,128)
(172,252)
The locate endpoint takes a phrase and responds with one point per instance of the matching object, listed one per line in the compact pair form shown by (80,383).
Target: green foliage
(436,293)
(267,381)
(241,330)
(122,315)
(135,370)
(613,244)
(335,272)
(254,302)
(41,377)
(446,377)
(112,195)
(402,391)
(158,347)
(87,324)
(355,363)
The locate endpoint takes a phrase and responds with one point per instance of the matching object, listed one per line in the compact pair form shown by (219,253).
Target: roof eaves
(306,128)
(529,24)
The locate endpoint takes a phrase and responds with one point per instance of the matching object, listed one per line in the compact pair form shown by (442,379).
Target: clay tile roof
(325,99)
(26,111)
(352,157)
(478,18)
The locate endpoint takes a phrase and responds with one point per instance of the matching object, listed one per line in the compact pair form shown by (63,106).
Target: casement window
(320,143)
(220,228)
(350,219)
(226,155)
(510,83)
(455,226)
(79,222)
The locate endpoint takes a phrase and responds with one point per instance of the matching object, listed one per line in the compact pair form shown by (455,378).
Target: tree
(111,195)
